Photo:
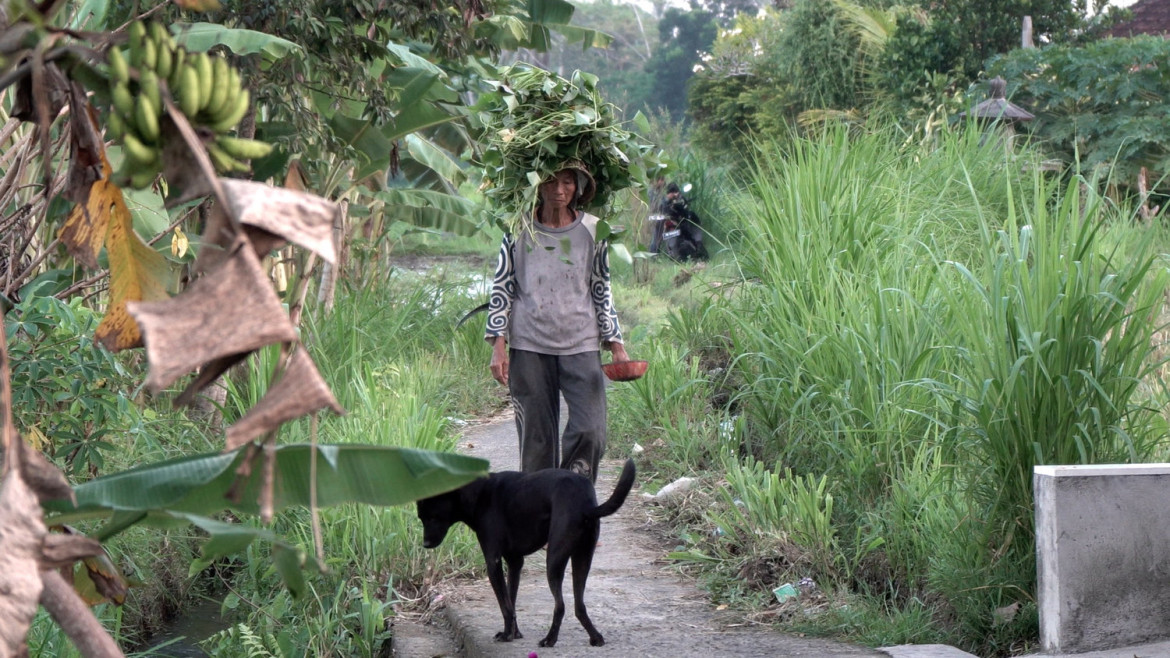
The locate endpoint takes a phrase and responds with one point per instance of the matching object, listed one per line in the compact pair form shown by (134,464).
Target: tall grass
(843,338)
(925,324)
(1057,345)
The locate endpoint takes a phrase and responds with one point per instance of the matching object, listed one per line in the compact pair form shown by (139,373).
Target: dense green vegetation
(916,327)
(919,65)
(901,318)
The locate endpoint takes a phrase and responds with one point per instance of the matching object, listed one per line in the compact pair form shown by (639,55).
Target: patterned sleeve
(602,293)
(499,312)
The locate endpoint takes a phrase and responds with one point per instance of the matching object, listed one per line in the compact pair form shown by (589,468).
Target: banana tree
(228,312)
(393,143)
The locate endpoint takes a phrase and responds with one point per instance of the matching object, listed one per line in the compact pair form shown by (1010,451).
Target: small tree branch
(82,285)
(182,218)
(76,619)
(9,128)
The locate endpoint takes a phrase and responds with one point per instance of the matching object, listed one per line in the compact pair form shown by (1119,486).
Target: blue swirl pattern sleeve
(602,295)
(499,312)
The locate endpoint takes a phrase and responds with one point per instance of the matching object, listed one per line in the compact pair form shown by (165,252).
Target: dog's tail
(625,483)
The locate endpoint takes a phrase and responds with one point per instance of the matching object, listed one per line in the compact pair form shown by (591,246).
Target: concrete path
(638,604)
(1153,650)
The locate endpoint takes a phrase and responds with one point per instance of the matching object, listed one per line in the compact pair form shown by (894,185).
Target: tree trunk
(1026,37)
(330,272)
(207,408)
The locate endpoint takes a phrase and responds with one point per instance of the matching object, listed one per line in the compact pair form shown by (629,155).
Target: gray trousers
(536,383)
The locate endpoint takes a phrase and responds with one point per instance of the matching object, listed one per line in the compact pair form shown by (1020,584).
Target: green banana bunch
(207,89)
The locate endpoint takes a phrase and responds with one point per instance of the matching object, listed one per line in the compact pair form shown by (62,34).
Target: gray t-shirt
(552,292)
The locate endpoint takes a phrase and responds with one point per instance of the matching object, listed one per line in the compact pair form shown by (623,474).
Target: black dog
(515,514)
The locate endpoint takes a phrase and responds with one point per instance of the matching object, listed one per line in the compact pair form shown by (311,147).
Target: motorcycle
(676,229)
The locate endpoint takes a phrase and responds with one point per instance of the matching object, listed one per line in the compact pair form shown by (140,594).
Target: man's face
(559,190)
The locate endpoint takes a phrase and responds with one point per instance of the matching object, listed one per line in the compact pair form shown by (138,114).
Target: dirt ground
(639,605)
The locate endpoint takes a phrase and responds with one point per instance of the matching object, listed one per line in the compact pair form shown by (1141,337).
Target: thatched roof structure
(997,107)
(1149,17)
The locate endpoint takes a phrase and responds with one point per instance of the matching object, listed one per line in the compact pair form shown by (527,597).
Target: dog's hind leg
(515,566)
(495,571)
(582,562)
(557,561)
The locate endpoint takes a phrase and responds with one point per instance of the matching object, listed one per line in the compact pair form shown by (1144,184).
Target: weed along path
(640,607)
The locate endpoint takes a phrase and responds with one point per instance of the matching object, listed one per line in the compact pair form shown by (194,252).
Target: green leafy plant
(242,640)
(534,121)
(1099,105)
(777,503)
(67,390)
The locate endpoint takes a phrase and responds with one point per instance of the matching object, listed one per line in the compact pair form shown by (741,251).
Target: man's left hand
(619,352)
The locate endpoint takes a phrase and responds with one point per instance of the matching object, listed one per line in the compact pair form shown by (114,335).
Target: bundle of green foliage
(1103,105)
(533,122)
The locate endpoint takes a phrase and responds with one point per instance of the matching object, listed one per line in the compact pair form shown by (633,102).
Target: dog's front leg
(495,569)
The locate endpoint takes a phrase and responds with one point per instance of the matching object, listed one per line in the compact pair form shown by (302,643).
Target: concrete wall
(1103,555)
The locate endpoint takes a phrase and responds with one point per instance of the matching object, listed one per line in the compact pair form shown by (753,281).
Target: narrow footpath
(639,605)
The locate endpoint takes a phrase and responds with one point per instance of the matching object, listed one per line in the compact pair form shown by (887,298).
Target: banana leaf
(185,491)
(513,32)
(430,209)
(411,83)
(346,473)
(418,116)
(199,37)
(550,12)
(406,57)
(427,153)
(91,14)
(362,135)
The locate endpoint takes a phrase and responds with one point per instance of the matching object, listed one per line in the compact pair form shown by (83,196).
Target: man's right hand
(499,364)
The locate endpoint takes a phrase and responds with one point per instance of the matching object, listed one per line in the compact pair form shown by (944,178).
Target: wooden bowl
(625,371)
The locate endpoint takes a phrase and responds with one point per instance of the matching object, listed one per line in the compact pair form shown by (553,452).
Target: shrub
(69,393)
(1099,105)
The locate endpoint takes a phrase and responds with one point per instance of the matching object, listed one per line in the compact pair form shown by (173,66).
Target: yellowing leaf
(97,580)
(84,233)
(36,438)
(137,273)
(179,243)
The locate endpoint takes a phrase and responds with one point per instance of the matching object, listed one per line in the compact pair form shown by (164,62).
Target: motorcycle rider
(689,242)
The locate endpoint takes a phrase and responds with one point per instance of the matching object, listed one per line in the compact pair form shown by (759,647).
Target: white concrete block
(1102,555)
(925,651)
